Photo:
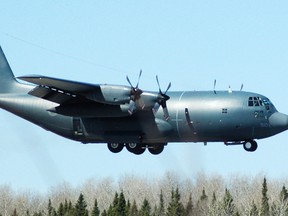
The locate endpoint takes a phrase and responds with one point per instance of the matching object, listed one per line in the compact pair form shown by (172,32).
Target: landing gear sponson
(248,145)
(137,148)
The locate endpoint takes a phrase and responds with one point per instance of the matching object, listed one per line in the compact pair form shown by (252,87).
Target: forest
(168,195)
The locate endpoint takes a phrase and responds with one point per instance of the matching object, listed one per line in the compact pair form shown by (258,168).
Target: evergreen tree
(80,207)
(133,210)
(264,211)
(113,209)
(127,208)
(189,206)
(203,197)
(160,210)
(214,199)
(70,209)
(50,208)
(284,200)
(95,211)
(104,213)
(145,208)
(254,210)
(228,205)
(15,213)
(121,208)
(283,194)
(161,204)
(60,211)
(27,213)
(202,204)
(66,207)
(175,207)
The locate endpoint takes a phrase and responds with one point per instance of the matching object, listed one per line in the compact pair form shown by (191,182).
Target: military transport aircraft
(121,115)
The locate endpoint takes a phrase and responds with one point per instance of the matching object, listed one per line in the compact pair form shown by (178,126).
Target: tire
(136,148)
(115,147)
(156,149)
(250,146)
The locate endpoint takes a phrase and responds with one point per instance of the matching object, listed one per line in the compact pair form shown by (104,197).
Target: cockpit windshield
(258,101)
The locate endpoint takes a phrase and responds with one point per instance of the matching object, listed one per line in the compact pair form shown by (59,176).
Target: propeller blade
(166,113)
(141,103)
(135,97)
(168,88)
(139,78)
(158,84)
(162,98)
(156,108)
(127,78)
(132,107)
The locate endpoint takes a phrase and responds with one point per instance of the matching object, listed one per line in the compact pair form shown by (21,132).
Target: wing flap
(51,94)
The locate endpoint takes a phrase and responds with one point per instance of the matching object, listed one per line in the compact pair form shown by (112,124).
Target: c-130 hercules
(122,115)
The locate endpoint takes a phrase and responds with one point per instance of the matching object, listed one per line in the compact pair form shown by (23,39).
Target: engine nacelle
(111,94)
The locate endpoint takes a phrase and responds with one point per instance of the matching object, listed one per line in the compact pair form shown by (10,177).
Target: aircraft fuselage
(127,116)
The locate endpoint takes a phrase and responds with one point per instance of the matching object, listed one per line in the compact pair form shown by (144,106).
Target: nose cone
(279,121)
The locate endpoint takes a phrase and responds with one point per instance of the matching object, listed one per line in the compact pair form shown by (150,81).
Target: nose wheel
(250,145)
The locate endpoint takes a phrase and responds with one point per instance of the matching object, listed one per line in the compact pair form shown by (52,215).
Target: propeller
(135,96)
(161,101)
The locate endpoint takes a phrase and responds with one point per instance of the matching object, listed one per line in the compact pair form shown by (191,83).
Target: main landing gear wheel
(136,148)
(115,147)
(250,146)
(156,149)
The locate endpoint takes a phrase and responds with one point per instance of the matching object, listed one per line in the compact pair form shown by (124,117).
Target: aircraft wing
(65,85)
(58,90)
(108,100)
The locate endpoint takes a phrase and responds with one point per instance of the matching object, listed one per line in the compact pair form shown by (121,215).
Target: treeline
(169,195)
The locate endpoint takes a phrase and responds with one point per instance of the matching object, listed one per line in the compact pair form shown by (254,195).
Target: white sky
(189,43)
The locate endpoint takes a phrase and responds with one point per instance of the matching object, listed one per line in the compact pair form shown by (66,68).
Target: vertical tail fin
(8,83)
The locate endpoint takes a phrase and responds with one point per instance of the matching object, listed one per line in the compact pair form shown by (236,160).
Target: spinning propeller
(161,101)
(135,96)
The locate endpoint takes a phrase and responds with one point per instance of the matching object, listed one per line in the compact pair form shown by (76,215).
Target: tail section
(8,83)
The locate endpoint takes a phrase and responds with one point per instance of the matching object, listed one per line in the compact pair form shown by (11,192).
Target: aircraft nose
(278,120)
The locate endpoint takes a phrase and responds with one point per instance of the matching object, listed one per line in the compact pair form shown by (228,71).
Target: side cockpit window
(267,104)
(255,101)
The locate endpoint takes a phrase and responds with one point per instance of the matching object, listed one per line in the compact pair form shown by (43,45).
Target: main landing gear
(137,148)
(248,145)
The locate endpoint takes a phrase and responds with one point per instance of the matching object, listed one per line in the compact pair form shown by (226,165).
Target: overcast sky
(189,43)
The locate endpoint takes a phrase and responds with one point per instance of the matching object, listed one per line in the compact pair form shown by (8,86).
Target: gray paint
(99,113)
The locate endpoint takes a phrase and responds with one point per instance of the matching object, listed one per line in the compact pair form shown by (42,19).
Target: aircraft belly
(133,129)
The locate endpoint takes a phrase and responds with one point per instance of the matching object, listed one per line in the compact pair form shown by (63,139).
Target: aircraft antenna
(230,89)
(241,87)
(214,86)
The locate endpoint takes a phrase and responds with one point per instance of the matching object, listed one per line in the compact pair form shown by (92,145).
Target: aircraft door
(186,129)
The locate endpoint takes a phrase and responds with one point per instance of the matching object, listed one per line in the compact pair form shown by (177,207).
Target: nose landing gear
(250,145)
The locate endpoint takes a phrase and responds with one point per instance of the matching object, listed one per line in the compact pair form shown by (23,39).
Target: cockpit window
(255,101)
(267,104)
